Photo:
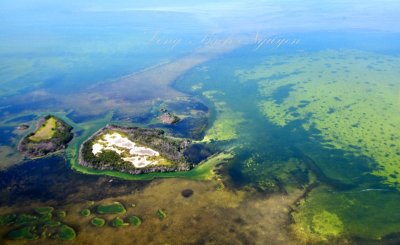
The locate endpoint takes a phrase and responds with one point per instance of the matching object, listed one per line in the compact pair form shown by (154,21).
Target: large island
(136,150)
(51,135)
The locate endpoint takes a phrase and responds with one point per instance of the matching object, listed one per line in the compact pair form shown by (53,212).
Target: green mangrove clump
(26,233)
(44,210)
(113,208)
(66,233)
(118,222)
(41,224)
(61,214)
(134,220)
(98,222)
(7,219)
(161,214)
(85,212)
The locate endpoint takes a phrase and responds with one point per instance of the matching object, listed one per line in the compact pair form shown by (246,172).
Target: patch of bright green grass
(46,131)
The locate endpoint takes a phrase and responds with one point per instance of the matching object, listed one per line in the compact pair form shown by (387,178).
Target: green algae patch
(66,233)
(44,210)
(7,219)
(85,212)
(364,213)
(25,233)
(52,223)
(134,220)
(327,224)
(227,121)
(161,214)
(113,208)
(118,222)
(348,100)
(98,222)
(61,214)
(26,219)
(40,224)
(270,175)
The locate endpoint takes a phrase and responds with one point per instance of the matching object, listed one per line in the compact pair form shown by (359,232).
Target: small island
(23,127)
(168,117)
(136,150)
(51,135)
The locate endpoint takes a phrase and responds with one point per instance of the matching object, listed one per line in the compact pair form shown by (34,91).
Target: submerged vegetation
(85,212)
(134,220)
(161,214)
(51,135)
(351,108)
(98,222)
(41,225)
(112,208)
(118,222)
(226,123)
(342,111)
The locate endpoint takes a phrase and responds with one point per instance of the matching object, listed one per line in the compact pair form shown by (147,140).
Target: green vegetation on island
(137,150)
(52,134)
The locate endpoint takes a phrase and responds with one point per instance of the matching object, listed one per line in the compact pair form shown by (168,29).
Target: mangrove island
(51,135)
(136,150)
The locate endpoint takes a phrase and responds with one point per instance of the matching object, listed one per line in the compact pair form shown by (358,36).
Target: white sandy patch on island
(137,155)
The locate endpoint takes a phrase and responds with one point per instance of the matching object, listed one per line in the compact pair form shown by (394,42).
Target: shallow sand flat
(209,216)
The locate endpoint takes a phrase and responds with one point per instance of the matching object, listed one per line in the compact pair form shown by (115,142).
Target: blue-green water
(315,118)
